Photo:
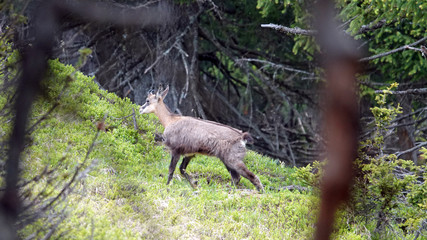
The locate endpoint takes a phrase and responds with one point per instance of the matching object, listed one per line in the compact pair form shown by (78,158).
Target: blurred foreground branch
(34,63)
(341,124)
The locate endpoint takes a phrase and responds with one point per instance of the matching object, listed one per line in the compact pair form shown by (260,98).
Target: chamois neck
(164,115)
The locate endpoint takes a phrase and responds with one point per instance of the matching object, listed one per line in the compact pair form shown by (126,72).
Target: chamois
(188,136)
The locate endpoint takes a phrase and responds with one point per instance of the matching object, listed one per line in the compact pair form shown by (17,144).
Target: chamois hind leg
(234,176)
(172,166)
(244,171)
(183,168)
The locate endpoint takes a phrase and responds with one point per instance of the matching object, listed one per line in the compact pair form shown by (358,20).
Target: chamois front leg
(244,171)
(183,168)
(172,166)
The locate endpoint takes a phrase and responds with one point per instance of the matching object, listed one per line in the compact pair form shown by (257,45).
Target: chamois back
(189,135)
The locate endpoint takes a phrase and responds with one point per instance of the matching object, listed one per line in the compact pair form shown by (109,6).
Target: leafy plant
(389,194)
(384,183)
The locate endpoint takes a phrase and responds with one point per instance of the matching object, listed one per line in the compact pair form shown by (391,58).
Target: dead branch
(177,42)
(398,154)
(248,122)
(299,31)
(135,124)
(403,92)
(270,145)
(274,65)
(295,31)
(399,49)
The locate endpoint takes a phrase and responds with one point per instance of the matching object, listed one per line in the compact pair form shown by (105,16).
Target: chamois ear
(165,92)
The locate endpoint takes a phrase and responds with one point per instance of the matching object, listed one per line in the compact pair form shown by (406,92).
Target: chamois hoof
(194,184)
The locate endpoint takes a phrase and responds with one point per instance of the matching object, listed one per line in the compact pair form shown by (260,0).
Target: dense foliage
(389,194)
(91,159)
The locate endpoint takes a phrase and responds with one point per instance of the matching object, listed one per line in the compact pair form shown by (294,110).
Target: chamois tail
(247,137)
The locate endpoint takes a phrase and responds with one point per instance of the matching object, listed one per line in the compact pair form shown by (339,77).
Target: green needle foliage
(389,194)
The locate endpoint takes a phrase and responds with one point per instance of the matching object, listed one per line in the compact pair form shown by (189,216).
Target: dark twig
(135,124)
(274,65)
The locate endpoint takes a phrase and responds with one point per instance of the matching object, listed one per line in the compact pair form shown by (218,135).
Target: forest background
(254,65)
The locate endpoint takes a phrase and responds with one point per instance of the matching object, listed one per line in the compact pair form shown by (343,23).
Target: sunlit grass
(125,196)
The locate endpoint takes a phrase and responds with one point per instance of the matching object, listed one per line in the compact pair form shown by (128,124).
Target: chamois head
(153,100)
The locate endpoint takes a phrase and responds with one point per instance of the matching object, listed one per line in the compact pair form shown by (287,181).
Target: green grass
(125,196)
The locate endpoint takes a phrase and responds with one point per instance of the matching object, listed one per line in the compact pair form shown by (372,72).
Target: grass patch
(125,196)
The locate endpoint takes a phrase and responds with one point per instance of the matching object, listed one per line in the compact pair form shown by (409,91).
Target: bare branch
(235,111)
(408,91)
(177,41)
(135,124)
(398,154)
(295,31)
(309,32)
(274,65)
(406,47)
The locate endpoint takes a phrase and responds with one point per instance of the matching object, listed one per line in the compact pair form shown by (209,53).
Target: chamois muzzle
(141,109)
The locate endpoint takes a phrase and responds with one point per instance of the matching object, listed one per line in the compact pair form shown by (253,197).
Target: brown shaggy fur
(189,136)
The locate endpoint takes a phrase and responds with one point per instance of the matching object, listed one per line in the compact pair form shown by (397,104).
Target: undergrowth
(389,195)
(125,195)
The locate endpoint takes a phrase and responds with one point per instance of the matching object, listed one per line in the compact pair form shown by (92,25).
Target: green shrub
(389,194)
